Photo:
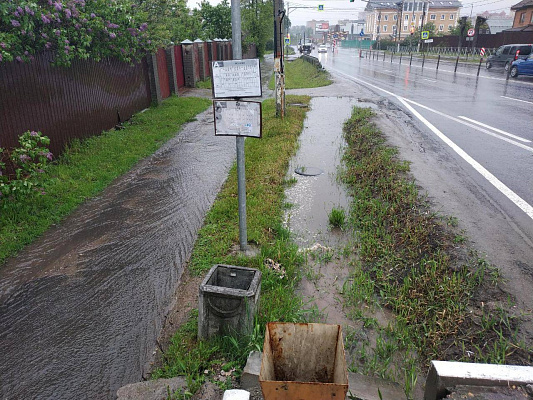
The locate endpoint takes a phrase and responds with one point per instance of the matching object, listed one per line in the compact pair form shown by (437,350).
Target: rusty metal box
(303,362)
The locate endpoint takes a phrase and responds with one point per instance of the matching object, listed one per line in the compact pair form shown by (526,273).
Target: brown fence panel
(180,75)
(207,64)
(163,73)
(66,103)
(196,61)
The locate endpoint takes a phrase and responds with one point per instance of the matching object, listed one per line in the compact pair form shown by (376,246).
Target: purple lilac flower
(24,158)
(67,41)
(84,20)
(110,25)
(48,45)
(3,45)
(29,10)
(0,61)
(77,26)
(123,51)
(18,58)
(33,133)
(89,30)
(26,53)
(68,13)
(93,15)
(58,6)
(58,32)
(43,192)
(23,32)
(44,35)
(143,27)
(49,156)
(20,10)
(50,2)
(45,19)
(112,35)
(16,14)
(15,22)
(40,171)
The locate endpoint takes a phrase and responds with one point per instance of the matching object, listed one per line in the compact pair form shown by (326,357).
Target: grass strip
(88,166)
(267,161)
(410,262)
(300,74)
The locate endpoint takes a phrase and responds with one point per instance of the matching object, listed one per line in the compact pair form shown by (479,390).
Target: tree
(71,29)
(257,23)
(216,21)
(456,30)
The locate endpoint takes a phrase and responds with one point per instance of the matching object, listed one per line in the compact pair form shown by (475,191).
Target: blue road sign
(361,33)
(321,7)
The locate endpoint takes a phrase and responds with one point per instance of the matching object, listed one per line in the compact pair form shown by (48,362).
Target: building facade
(523,14)
(384,19)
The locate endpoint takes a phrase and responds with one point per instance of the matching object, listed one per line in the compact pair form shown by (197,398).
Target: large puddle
(81,309)
(313,197)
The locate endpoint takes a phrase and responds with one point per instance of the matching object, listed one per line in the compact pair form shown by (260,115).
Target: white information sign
(237,118)
(236,78)
(428,41)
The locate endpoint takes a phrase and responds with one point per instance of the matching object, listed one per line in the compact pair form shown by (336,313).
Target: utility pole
(279,14)
(400,8)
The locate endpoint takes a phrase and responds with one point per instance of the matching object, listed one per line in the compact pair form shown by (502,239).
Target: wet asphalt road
(485,121)
(81,309)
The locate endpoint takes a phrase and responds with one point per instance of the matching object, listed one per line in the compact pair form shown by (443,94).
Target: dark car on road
(522,67)
(505,55)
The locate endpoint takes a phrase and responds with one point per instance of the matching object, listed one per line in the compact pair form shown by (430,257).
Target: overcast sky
(335,10)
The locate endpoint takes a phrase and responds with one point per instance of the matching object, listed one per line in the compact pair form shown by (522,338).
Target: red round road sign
(482,52)
(471,32)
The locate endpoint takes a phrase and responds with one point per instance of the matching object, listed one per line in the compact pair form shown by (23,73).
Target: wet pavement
(81,309)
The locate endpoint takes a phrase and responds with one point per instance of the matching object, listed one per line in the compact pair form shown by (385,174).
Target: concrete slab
(151,390)
(250,373)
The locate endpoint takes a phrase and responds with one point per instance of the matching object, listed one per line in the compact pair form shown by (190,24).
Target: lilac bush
(73,29)
(28,164)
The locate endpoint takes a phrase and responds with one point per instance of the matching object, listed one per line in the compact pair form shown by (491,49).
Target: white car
(322,48)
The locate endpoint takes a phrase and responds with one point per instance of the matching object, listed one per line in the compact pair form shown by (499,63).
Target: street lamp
(399,24)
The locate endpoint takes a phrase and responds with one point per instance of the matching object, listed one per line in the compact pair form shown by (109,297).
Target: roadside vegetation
(279,260)
(444,299)
(86,168)
(300,74)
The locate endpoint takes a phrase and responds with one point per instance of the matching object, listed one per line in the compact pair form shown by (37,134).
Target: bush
(28,163)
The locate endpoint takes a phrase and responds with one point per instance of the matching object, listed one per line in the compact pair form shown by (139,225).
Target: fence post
(479,66)
(401,57)
(456,62)
(423,59)
(171,68)
(153,77)
(391,55)
(438,62)
(411,59)
(189,63)
(383,55)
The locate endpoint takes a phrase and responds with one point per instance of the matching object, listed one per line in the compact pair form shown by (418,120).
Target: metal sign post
(236,79)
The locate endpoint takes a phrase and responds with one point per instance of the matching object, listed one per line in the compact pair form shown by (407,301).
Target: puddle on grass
(313,197)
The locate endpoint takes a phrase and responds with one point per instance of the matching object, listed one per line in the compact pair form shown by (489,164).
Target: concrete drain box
(303,361)
(228,300)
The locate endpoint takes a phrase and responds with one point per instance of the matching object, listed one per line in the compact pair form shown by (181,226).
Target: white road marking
(521,203)
(507,192)
(431,80)
(512,98)
(495,129)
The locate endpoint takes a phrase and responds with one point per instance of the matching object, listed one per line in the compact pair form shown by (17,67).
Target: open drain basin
(308,171)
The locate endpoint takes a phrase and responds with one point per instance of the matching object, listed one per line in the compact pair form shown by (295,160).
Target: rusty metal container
(303,362)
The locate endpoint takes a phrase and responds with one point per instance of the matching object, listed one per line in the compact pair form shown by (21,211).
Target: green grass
(88,166)
(266,165)
(301,74)
(204,84)
(337,218)
(408,263)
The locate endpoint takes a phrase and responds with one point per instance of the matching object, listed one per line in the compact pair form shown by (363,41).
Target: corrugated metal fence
(83,99)
(66,103)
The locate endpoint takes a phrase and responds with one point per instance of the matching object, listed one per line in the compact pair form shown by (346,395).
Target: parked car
(505,55)
(322,48)
(522,67)
(306,49)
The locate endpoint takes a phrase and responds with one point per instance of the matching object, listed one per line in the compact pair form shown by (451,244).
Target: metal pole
(423,59)
(391,54)
(479,66)
(241,178)
(456,62)
(411,59)
(383,55)
(401,58)
(438,62)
